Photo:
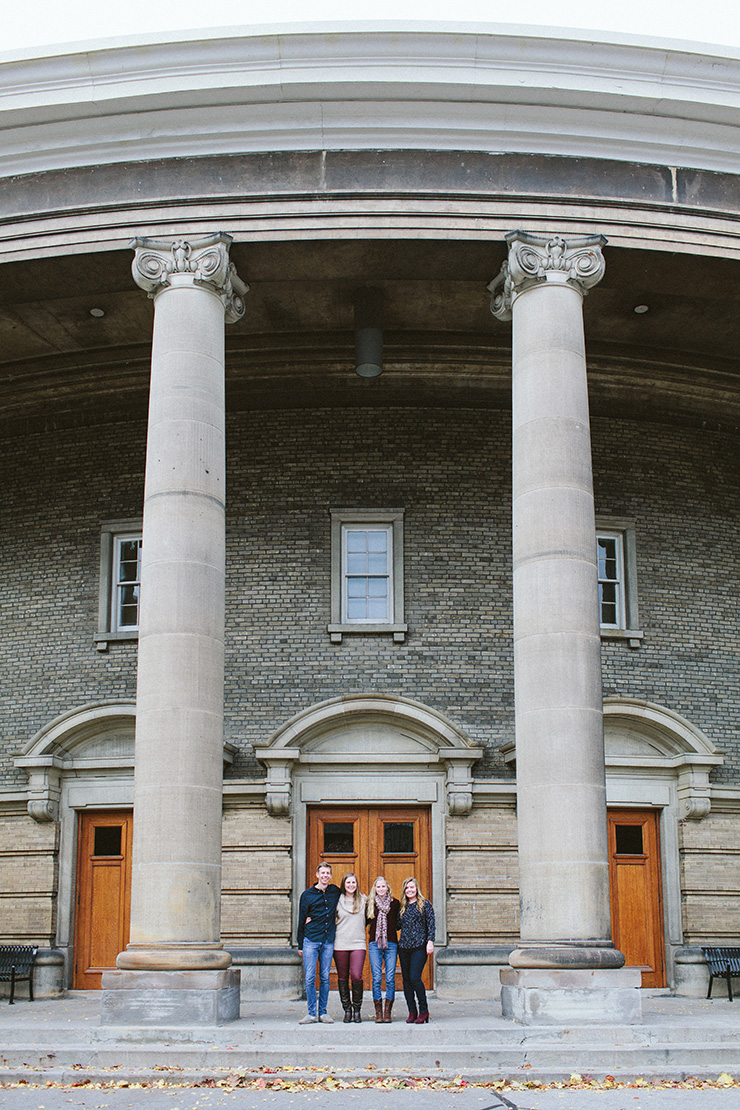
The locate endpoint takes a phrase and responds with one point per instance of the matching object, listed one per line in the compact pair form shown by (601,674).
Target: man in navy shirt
(317,912)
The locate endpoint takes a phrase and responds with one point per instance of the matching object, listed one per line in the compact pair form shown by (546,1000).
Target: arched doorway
(370,754)
(657,771)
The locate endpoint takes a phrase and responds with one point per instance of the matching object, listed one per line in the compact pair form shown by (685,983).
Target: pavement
(681,1040)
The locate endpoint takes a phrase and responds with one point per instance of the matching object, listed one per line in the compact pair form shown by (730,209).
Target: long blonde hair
(356,897)
(420,899)
(372,894)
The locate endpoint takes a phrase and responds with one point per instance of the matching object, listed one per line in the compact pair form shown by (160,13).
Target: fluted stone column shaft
(561,796)
(176,874)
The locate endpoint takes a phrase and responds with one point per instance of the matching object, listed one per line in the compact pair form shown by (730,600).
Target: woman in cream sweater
(349,945)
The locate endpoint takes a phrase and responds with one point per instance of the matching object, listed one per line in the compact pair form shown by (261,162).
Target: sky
(43,23)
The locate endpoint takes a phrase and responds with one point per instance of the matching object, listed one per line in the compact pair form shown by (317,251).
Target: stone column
(561,795)
(174,969)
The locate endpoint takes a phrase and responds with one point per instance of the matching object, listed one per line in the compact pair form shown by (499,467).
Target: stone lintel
(164,998)
(545,996)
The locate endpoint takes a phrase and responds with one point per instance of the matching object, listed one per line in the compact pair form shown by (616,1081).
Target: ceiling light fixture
(369,332)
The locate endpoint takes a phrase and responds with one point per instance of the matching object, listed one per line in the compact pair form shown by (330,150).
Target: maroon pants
(350,964)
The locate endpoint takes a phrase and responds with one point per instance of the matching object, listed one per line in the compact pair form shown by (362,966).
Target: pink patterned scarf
(382,905)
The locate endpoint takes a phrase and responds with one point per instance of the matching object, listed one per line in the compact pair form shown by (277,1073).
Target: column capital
(162,263)
(535,259)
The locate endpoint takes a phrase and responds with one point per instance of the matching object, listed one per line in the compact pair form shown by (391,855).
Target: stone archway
(657,759)
(369,748)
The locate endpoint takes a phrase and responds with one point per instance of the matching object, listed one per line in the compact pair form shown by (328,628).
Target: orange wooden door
(371,841)
(103,894)
(636,892)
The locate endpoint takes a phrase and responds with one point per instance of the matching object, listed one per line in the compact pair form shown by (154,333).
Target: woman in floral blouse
(415,945)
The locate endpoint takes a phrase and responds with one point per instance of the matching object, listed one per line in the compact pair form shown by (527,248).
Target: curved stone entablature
(316,132)
(370,730)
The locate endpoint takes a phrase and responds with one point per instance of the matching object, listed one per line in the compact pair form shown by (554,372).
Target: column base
(542,996)
(165,998)
(569,955)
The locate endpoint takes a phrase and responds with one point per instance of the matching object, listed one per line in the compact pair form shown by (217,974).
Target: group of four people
(332,921)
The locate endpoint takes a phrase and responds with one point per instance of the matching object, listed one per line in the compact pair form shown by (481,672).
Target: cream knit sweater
(350,926)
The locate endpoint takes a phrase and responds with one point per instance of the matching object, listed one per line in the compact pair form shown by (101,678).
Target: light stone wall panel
(255,918)
(485,919)
(28,880)
(710,879)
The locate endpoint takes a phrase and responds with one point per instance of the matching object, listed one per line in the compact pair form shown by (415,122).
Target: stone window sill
(337,631)
(631,635)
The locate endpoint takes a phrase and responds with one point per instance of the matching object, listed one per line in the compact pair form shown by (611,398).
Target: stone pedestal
(167,998)
(538,996)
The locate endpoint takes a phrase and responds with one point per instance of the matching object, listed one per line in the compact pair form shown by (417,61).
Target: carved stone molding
(534,259)
(379,733)
(161,263)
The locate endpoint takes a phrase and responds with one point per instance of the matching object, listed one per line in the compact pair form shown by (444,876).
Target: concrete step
(121,1075)
(724,1056)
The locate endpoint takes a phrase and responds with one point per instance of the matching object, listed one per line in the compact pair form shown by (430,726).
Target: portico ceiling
(678,361)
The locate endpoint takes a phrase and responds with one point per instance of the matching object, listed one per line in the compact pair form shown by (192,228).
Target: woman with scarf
(349,945)
(382,917)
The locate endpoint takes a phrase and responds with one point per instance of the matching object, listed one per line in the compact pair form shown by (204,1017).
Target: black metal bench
(724,963)
(16,962)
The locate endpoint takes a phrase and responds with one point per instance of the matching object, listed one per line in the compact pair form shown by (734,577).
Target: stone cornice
(373,86)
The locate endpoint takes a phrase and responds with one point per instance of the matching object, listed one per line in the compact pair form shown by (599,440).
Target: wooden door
(636,892)
(371,841)
(103,894)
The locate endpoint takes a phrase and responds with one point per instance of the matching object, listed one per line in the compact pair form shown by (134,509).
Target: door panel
(103,894)
(636,892)
(371,841)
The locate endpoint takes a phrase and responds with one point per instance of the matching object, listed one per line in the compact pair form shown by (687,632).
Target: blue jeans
(378,957)
(413,961)
(313,953)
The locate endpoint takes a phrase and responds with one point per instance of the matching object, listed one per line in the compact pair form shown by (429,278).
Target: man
(317,913)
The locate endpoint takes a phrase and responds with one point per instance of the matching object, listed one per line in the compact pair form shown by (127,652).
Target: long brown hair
(357,897)
(420,899)
(373,892)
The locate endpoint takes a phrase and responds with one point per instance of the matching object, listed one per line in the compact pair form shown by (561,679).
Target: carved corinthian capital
(534,259)
(159,263)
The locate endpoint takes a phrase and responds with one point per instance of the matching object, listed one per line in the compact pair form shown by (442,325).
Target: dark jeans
(413,962)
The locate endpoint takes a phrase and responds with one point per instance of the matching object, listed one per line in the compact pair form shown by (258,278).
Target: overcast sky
(38,23)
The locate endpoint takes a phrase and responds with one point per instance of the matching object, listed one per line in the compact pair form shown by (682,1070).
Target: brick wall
(450,471)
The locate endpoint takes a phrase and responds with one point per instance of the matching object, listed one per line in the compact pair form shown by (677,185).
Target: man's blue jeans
(378,957)
(313,953)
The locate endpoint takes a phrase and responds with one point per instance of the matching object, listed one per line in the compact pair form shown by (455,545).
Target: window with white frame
(367,572)
(120,581)
(617,573)
(610,556)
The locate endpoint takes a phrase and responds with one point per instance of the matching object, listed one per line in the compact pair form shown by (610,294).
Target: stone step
(450,1033)
(723,1056)
(123,1075)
